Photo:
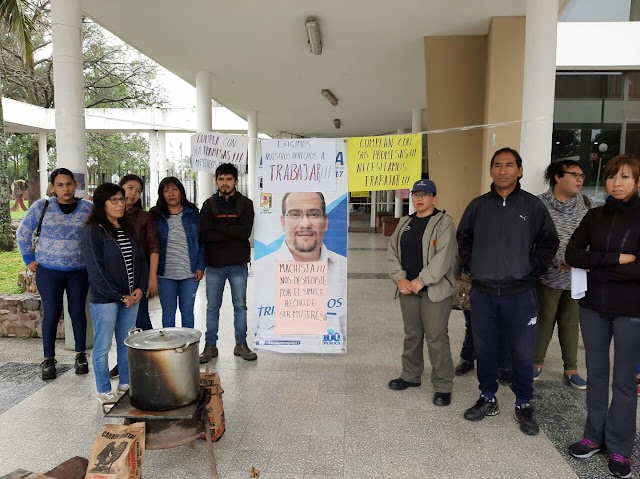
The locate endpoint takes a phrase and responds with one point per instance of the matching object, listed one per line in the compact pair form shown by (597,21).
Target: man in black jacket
(506,239)
(226,221)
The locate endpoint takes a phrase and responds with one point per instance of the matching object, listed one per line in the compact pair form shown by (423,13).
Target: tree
(14,19)
(116,76)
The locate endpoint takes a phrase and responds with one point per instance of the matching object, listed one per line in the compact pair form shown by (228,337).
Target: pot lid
(165,338)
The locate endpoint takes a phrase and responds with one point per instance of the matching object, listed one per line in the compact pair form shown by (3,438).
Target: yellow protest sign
(378,163)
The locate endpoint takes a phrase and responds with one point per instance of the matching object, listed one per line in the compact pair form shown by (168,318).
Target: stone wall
(21,316)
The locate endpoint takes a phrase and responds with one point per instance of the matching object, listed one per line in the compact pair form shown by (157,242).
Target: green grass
(10,265)
(18,215)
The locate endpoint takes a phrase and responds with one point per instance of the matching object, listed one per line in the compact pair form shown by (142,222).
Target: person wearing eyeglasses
(118,279)
(305,223)
(567,207)
(226,222)
(420,258)
(59,264)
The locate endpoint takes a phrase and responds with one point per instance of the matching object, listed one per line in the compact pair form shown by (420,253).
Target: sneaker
(122,389)
(244,352)
(464,367)
(483,407)
(619,466)
(82,365)
(524,415)
(504,376)
(585,448)
(536,373)
(48,367)
(210,352)
(114,373)
(576,381)
(107,398)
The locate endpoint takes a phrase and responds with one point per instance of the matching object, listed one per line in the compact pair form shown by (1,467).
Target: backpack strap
(587,201)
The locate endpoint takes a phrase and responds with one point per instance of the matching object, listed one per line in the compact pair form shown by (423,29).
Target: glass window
(575,85)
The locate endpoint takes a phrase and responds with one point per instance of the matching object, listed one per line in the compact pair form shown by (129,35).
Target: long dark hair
(131,177)
(161,206)
(98,214)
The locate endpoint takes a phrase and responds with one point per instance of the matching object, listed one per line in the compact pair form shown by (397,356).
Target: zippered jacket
(438,256)
(613,289)
(225,228)
(506,243)
(108,280)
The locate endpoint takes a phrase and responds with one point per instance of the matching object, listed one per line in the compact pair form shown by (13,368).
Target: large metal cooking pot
(164,372)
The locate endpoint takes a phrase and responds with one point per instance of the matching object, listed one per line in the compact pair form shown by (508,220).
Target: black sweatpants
(514,316)
(468,352)
(615,424)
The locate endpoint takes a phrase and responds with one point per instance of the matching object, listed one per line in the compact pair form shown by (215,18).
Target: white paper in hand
(578,283)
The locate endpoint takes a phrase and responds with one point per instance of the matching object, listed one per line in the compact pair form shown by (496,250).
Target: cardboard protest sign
(306,164)
(378,163)
(210,150)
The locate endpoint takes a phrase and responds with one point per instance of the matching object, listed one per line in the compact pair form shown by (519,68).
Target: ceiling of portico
(372,59)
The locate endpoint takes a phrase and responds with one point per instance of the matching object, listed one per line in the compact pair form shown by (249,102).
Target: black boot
(48,367)
(82,366)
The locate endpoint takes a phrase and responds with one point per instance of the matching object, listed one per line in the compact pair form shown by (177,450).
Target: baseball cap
(425,186)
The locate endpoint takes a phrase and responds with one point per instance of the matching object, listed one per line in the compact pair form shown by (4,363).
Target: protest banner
(301,229)
(301,297)
(210,150)
(378,163)
(305,164)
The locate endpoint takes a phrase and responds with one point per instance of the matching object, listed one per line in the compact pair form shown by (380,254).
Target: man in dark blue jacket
(506,239)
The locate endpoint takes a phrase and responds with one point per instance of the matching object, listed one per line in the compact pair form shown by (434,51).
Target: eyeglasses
(114,200)
(582,176)
(421,195)
(296,215)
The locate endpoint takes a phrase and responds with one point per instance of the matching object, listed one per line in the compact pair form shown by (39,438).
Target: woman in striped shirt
(118,278)
(182,263)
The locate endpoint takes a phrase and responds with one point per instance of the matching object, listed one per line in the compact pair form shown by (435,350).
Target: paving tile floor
(305,416)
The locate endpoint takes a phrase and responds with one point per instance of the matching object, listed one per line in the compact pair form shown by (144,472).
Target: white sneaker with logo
(107,398)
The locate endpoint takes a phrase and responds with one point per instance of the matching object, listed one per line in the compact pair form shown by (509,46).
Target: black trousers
(514,316)
(468,352)
(615,424)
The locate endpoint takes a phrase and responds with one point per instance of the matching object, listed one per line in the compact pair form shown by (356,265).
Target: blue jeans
(216,278)
(51,286)
(173,292)
(107,319)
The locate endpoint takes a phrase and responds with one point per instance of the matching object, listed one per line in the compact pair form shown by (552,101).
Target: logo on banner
(332,338)
(266,201)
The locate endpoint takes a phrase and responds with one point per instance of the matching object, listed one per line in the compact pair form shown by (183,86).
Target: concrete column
(416,127)
(538,91)
(372,220)
(154,182)
(397,210)
(162,155)
(42,163)
(204,122)
(252,157)
(71,142)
